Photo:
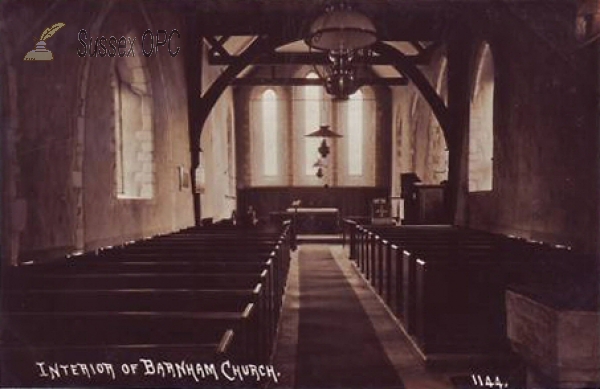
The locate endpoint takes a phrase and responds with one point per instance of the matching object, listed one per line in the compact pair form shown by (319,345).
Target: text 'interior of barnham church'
(300,194)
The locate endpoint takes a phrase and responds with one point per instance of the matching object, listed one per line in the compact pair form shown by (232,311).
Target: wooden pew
(453,281)
(135,281)
(30,366)
(156,282)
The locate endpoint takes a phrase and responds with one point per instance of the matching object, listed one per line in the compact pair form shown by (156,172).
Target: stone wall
(545,177)
(418,142)
(60,187)
(545,157)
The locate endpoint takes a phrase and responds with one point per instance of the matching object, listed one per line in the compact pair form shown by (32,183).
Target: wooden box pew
(481,280)
(184,300)
(136,281)
(280,263)
(28,365)
(410,253)
(175,263)
(359,239)
(448,239)
(228,237)
(548,267)
(377,263)
(230,253)
(471,287)
(97,329)
(368,247)
(231,249)
(349,237)
(87,267)
(372,255)
(458,304)
(430,232)
(193,301)
(389,274)
(377,254)
(214,228)
(207,240)
(191,237)
(177,255)
(366,240)
(157,266)
(411,229)
(201,236)
(407,301)
(147,281)
(278,255)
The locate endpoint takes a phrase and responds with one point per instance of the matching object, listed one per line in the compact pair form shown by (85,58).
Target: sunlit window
(134,143)
(270,125)
(313,96)
(355,134)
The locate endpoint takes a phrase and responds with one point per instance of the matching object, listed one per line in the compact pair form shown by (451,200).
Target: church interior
(300,194)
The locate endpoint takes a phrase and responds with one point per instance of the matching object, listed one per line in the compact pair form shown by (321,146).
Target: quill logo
(40,53)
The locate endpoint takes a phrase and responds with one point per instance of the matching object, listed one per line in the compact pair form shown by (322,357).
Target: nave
(185,309)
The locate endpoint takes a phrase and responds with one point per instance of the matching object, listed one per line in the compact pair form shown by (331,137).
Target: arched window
(269,126)
(481,135)
(313,96)
(355,134)
(134,140)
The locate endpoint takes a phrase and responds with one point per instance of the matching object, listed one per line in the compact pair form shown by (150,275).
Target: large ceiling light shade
(341,29)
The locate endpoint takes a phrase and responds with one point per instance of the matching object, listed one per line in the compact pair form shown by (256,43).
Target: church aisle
(337,345)
(335,333)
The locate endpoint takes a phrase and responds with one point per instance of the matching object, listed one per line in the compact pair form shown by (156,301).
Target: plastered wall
(217,141)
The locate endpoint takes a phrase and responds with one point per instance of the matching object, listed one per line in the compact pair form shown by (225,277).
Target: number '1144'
(487,381)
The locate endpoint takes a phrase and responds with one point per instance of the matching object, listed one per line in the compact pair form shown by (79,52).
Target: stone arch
(481,126)
(77,173)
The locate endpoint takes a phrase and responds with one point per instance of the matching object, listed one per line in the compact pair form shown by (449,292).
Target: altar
(311,220)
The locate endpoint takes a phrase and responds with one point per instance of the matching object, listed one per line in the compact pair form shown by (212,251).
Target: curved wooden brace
(264,45)
(405,66)
(209,99)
